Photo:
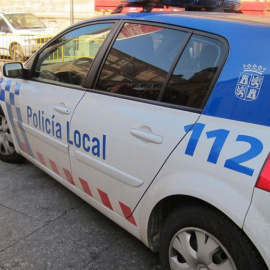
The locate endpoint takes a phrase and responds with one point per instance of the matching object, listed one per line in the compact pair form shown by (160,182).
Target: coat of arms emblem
(250,82)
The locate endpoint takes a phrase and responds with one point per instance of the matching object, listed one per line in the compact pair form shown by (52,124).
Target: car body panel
(39,127)
(111,155)
(257,222)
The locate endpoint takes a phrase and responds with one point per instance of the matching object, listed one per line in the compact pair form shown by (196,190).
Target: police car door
(45,104)
(149,93)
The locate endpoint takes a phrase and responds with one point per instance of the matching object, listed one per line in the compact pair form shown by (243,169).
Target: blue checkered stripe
(9,93)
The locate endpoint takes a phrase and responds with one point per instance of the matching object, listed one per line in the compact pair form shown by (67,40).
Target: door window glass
(191,80)
(68,59)
(140,60)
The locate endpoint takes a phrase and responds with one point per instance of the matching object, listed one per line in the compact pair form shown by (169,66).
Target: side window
(191,80)
(68,59)
(139,61)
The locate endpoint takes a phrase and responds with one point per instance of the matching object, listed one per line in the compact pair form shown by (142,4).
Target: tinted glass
(68,59)
(194,73)
(139,60)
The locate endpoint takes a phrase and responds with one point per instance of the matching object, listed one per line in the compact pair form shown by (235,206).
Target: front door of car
(148,94)
(43,106)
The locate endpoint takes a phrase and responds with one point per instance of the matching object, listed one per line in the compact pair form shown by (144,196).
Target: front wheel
(201,238)
(7,149)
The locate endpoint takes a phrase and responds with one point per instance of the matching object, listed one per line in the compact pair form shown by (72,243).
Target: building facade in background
(54,13)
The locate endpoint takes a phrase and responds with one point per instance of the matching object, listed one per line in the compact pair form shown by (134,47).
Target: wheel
(7,149)
(16,52)
(197,237)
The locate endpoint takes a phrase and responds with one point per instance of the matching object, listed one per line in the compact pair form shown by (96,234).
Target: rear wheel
(7,149)
(16,52)
(201,238)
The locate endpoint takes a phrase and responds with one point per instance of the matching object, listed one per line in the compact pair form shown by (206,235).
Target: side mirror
(13,70)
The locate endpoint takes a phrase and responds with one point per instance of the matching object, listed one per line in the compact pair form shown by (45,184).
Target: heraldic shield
(250,82)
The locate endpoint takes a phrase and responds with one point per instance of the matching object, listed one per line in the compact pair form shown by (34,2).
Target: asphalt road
(45,226)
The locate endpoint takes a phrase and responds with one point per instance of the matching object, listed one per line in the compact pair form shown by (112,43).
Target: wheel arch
(3,112)
(162,210)
(191,208)
(169,204)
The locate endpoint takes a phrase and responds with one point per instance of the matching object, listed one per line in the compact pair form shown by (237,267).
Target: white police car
(161,122)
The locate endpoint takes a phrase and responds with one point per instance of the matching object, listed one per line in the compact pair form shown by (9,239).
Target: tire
(197,237)
(7,149)
(16,52)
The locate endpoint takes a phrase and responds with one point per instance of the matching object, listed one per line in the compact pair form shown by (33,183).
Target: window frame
(99,66)
(32,62)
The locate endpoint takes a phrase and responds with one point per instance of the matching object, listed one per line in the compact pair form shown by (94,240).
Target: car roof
(217,16)
(233,26)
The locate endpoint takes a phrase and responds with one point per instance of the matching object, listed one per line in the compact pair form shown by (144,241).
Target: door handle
(61,109)
(146,136)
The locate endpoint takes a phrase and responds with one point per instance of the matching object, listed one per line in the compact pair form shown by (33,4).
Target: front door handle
(61,109)
(146,136)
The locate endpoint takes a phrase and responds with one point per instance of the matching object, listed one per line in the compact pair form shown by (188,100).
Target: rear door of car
(149,92)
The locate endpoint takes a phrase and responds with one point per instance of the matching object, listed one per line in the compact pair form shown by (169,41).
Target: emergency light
(192,5)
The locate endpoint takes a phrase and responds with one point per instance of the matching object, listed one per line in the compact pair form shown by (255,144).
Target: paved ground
(44,226)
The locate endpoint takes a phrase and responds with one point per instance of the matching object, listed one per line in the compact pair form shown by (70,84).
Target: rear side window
(161,64)
(192,77)
(139,61)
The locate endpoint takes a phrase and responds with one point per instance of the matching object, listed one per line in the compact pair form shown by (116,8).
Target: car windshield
(24,21)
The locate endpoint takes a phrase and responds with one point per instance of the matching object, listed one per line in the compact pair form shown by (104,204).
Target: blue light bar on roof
(218,5)
(208,4)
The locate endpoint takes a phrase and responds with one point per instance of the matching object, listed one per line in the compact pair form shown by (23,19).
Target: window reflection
(194,73)
(139,61)
(68,59)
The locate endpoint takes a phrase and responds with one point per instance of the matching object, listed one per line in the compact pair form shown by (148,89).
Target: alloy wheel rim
(6,142)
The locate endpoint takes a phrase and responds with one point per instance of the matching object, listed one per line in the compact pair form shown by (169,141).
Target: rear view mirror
(13,70)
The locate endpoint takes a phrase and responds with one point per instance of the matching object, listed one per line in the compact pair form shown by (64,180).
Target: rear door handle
(61,109)
(146,136)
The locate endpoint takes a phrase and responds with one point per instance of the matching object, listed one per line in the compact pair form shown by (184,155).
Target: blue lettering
(39,120)
(53,125)
(77,138)
(35,120)
(96,148)
(86,138)
(58,133)
(104,148)
(47,125)
(68,134)
(43,127)
(29,113)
